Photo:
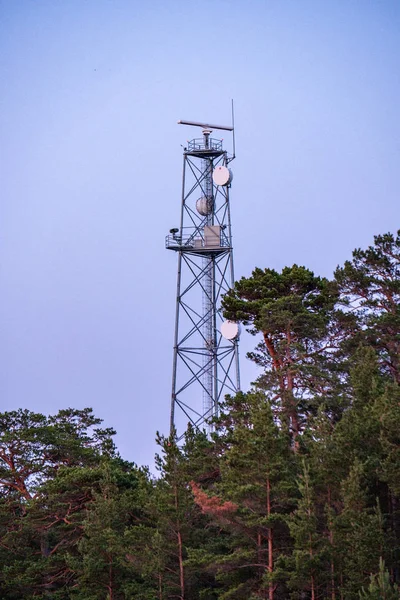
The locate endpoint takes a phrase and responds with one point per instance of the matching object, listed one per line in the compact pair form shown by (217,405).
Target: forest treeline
(295,496)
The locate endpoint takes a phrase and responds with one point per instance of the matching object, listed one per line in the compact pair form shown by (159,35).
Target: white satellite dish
(230,330)
(222,175)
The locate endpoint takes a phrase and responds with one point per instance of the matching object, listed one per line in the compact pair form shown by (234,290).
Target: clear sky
(90,175)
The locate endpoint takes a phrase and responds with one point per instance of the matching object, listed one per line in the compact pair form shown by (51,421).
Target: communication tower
(206,358)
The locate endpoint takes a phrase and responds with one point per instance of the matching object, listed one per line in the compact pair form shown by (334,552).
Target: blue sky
(90,175)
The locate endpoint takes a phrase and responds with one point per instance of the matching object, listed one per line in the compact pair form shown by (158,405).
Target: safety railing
(194,241)
(198,145)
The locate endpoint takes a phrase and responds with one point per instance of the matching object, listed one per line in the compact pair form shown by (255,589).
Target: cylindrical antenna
(205,125)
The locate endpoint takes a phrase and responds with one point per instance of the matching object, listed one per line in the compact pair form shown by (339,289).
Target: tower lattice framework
(205,362)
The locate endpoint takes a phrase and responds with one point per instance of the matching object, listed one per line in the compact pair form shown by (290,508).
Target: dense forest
(296,495)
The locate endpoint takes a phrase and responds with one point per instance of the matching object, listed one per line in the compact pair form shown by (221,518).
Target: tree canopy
(294,496)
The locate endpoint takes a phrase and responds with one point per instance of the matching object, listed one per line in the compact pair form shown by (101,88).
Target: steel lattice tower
(206,358)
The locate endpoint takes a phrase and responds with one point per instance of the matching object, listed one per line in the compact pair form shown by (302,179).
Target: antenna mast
(206,357)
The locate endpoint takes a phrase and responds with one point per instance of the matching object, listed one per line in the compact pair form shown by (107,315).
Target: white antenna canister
(230,330)
(222,175)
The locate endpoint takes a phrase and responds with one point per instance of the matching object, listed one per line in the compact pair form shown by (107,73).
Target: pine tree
(47,469)
(105,567)
(387,413)
(251,500)
(380,587)
(309,546)
(360,533)
(327,469)
(295,313)
(173,514)
(370,286)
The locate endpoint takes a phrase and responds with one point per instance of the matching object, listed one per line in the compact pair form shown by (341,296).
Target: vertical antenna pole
(233,130)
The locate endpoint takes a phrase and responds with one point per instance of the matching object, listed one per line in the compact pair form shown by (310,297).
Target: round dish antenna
(204,206)
(222,175)
(230,330)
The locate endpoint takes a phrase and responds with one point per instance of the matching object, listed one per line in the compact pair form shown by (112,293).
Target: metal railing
(199,145)
(193,241)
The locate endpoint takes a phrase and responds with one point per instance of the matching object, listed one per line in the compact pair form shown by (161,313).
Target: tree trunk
(159,586)
(180,548)
(110,578)
(312,581)
(271,587)
(181,572)
(286,387)
(331,541)
(395,523)
(260,560)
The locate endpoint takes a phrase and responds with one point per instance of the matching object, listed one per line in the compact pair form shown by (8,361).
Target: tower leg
(175,359)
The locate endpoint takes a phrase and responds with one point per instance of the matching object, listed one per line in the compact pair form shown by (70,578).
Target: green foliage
(380,587)
(269,300)
(105,565)
(60,474)
(359,533)
(370,286)
(308,545)
(301,337)
(295,495)
(34,447)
